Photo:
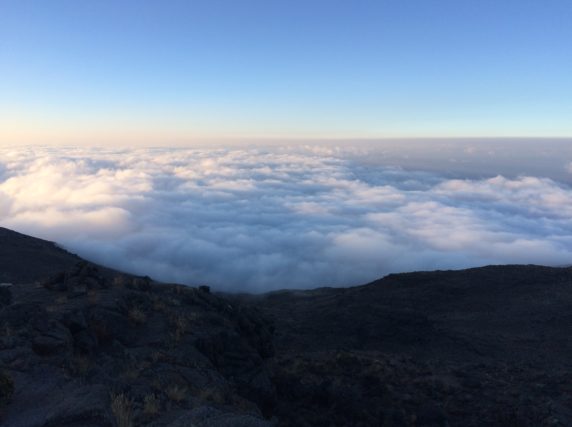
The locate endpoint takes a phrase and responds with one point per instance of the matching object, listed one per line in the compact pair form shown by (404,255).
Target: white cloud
(255,220)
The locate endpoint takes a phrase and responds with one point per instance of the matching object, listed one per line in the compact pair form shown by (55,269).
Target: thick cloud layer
(258,220)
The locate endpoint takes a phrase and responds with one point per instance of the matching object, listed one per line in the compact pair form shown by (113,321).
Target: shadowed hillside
(480,347)
(81,345)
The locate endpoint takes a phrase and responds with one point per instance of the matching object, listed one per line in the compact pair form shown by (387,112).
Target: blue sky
(178,70)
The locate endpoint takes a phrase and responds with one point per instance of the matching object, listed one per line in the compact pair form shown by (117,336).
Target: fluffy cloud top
(258,220)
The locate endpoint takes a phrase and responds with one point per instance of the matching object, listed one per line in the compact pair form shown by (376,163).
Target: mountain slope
(26,259)
(509,312)
(479,347)
(89,346)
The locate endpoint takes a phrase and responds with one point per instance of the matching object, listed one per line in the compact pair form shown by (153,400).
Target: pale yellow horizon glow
(120,129)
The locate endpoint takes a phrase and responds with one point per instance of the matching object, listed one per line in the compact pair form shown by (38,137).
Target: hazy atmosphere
(258,219)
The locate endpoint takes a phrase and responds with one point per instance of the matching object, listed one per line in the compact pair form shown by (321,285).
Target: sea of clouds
(256,219)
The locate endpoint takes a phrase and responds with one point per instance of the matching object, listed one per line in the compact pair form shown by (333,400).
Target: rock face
(88,346)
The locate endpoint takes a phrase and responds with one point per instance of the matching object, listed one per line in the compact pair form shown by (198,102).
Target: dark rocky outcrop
(85,349)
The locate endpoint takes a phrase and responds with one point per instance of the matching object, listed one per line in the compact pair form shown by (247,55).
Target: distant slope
(479,347)
(26,259)
(511,312)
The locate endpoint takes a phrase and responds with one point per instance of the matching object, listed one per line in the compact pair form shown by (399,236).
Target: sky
(171,72)
(288,144)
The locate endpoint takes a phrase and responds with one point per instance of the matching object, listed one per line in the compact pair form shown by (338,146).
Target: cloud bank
(259,220)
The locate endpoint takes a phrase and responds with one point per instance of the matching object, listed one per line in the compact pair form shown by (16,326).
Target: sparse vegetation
(122,409)
(213,394)
(51,308)
(93,296)
(180,325)
(120,281)
(101,330)
(151,405)
(157,356)
(176,393)
(131,373)
(80,365)
(158,303)
(6,330)
(137,316)
(143,283)
(62,299)
(157,384)
(173,302)
(6,389)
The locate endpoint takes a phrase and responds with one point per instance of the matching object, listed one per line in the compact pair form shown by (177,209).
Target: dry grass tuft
(176,393)
(157,356)
(158,304)
(132,373)
(151,405)
(181,326)
(157,384)
(80,365)
(213,394)
(137,316)
(62,299)
(6,330)
(92,296)
(174,302)
(122,408)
